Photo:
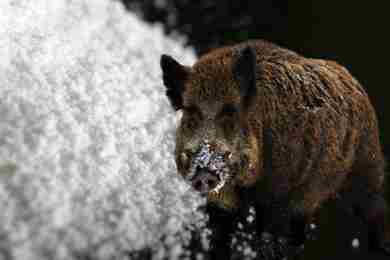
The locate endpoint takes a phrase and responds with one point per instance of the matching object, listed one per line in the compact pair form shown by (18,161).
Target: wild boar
(295,131)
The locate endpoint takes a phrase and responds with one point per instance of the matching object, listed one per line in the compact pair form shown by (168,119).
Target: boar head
(216,145)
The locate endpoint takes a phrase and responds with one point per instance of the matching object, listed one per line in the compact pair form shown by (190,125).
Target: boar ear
(244,71)
(174,76)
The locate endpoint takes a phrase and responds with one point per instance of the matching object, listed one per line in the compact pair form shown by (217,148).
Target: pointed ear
(244,71)
(174,76)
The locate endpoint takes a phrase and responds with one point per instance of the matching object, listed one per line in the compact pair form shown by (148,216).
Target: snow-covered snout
(209,170)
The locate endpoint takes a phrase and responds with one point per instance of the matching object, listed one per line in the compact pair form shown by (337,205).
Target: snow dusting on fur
(207,158)
(87,134)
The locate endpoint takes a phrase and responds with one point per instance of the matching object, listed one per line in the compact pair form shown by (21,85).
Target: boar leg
(302,209)
(373,210)
(365,193)
(282,229)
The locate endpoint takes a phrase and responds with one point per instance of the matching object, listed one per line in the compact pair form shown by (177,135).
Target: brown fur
(323,127)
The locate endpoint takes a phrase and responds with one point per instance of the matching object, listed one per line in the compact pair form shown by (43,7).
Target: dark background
(353,33)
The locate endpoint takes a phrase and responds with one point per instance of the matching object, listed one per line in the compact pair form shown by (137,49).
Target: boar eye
(192,117)
(191,123)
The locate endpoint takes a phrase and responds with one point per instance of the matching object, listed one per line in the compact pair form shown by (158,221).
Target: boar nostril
(211,183)
(198,185)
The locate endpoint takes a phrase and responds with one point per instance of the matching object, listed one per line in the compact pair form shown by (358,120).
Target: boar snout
(209,169)
(204,181)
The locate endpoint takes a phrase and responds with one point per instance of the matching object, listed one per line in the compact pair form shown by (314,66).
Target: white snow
(250,219)
(313,226)
(355,243)
(240,226)
(86,134)
(252,215)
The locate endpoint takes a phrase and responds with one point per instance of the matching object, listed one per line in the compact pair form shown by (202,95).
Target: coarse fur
(300,131)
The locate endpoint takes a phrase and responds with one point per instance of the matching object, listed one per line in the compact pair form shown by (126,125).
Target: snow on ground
(86,134)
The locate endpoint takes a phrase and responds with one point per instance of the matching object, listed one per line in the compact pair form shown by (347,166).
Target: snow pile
(86,134)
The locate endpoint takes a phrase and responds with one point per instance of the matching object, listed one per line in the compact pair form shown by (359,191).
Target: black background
(353,33)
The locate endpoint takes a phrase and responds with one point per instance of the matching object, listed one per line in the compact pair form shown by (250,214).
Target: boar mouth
(211,162)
